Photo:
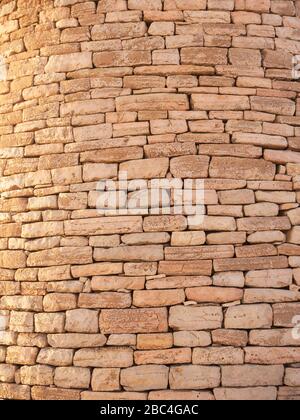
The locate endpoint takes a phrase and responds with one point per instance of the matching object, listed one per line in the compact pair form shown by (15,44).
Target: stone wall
(95,305)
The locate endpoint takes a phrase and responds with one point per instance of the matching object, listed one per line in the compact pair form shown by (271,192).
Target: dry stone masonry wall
(145,306)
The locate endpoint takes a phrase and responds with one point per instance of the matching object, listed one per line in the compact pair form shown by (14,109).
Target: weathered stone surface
(107,379)
(115,30)
(194,377)
(188,238)
(36,375)
(22,303)
(119,358)
(220,103)
(60,256)
(247,375)
(21,355)
(12,259)
(153,102)
(214,294)
(7,373)
(57,302)
(113,396)
(133,321)
(164,223)
(70,341)
(186,318)
(226,337)
(192,339)
(247,264)
(69,62)
(96,269)
(272,338)
(144,169)
(292,377)
(285,314)
(249,317)
(114,283)
(181,268)
(82,321)
(55,357)
(181,395)
(167,357)
(281,106)
(103,226)
(14,392)
(236,168)
(144,378)
(41,393)
(270,355)
(269,278)
(132,253)
(72,377)
(149,298)
(105,300)
(189,167)
(199,253)
(270,296)
(154,341)
(218,356)
(246,394)
(230,279)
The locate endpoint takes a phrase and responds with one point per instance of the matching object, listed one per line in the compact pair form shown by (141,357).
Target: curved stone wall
(134,304)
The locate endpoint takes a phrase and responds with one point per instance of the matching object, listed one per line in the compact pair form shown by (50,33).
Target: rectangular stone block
(246,394)
(114,283)
(181,268)
(75,340)
(213,294)
(133,321)
(145,378)
(153,102)
(41,393)
(213,102)
(237,168)
(166,357)
(149,298)
(131,253)
(285,314)
(194,377)
(218,356)
(246,317)
(106,357)
(105,300)
(106,379)
(248,264)
(121,58)
(188,318)
(69,62)
(12,259)
(96,269)
(146,169)
(72,377)
(204,56)
(273,338)
(248,375)
(103,226)
(119,30)
(60,256)
(199,253)
(14,392)
(271,355)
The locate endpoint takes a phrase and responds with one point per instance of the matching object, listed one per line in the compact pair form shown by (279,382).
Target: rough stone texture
(97,304)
